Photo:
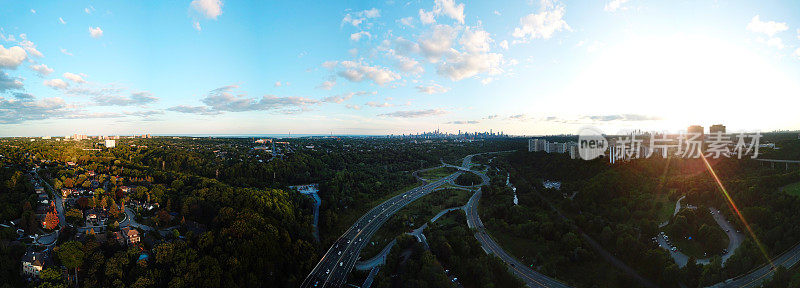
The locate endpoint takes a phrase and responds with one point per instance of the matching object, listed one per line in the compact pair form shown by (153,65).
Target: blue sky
(371,67)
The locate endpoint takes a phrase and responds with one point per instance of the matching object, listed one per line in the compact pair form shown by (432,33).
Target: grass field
(667,207)
(792,189)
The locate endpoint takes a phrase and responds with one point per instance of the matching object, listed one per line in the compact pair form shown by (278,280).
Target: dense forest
(228,216)
(454,250)
(618,206)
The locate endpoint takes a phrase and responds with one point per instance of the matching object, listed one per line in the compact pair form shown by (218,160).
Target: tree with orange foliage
(50,220)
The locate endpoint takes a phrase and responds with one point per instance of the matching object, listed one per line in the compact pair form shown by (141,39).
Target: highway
(528,275)
(334,267)
(757,276)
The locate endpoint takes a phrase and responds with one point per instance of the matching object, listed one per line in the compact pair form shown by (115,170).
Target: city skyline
(528,68)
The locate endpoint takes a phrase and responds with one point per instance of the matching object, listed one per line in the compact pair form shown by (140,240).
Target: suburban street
(59,202)
(49,240)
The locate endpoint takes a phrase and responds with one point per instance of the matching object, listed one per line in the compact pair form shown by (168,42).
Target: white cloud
(463,65)
(278,84)
(65,52)
(432,89)
(344,97)
(769,28)
(475,58)
(371,13)
(61,20)
(74,77)
(196,26)
(8,83)
(33,11)
(354,107)
(543,24)
(407,21)
(426,17)
(42,69)
(407,64)
(443,7)
(337,98)
(227,98)
(378,104)
(463,122)
(798,33)
(357,36)
(210,9)
(11,57)
(95,32)
(20,110)
(615,5)
(202,110)
(327,85)
(451,9)
(357,72)
(402,60)
(56,83)
(797,53)
(89,9)
(29,46)
(136,98)
(475,40)
(504,44)
(438,42)
(405,47)
(359,17)
(487,80)
(415,113)
(497,13)
(775,42)
(518,117)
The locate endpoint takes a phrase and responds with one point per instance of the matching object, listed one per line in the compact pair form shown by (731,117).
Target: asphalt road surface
(531,277)
(755,278)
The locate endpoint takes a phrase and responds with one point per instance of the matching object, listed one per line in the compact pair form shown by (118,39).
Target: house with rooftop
(33,263)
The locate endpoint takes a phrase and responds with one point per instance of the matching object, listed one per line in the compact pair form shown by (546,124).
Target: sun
(684,79)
